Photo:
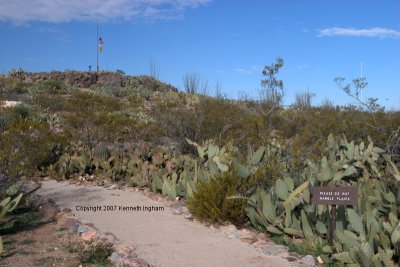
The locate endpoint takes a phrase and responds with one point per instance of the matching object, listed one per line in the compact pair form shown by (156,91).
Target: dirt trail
(160,237)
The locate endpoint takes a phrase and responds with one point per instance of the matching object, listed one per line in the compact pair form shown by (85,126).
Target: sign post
(333,222)
(334,196)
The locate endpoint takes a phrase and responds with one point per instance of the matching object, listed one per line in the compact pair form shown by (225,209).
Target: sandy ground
(43,245)
(160,237)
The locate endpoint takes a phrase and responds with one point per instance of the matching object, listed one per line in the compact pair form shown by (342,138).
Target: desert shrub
(210,203)
(26,145)
(115,127)
(88,102)
(51,103)
(145,86)
(305,130)
(200,118)
(52,85)
(177,119)
(22,111)
(48,88)
(88,114)
(12,84)
(11,115)
(2,85)
(134,87)
(109,90)
(97,127)
(92,252)
(223,120)
(135,100)
(150,132)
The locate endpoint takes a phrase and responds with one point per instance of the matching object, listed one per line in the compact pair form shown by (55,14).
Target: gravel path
(159,236)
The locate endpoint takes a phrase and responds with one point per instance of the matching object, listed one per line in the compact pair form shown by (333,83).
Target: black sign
(334,195)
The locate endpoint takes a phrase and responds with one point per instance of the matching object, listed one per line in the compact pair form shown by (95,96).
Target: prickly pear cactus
(213,158)
(8,204)
(366,235)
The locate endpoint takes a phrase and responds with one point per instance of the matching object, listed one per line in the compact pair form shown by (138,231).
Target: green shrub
(201,118)
(12,84)
(52,86)
(93,118)
(11,115)
(92,252)
(93,128)
(96,253)
(88,102)
(109,90)
(210,203)
(25,146)
(51,103)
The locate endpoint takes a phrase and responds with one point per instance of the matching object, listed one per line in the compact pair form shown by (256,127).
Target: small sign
(334,195)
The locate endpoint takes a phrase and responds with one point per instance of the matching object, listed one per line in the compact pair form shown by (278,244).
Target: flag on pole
(101,45)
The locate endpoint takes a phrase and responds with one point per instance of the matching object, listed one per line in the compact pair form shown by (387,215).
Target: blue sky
(221,40)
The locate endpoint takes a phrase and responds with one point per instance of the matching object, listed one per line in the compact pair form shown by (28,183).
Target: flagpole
(97,48)
(361,75)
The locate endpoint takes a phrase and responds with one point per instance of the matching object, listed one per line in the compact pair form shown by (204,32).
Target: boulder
(109,238)
(67,221)
(48,210)
(136,262)
(248,236)
(308,261)
(123,249)
(89,235)
(231,232)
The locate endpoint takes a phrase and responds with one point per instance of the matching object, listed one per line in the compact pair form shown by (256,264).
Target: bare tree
(204,86)
(327,104)
(243,96)
(218,89)
(359,84)
(154,69)
(191,82)
(371,105)
(303,99)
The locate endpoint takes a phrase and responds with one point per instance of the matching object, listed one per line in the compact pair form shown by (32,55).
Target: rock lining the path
(122,255)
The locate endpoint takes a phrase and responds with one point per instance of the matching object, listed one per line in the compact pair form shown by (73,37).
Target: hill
(229,159)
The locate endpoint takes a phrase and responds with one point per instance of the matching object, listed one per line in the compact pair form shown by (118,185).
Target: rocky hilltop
(88,79)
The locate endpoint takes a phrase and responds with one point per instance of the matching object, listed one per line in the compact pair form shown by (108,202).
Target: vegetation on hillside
(240,161)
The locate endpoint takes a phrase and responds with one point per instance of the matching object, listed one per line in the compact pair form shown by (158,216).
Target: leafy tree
(273,90)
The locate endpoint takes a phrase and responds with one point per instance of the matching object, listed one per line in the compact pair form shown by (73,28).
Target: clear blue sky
(229,41)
